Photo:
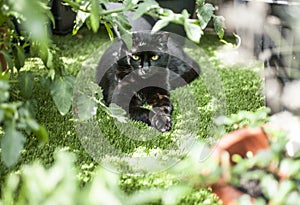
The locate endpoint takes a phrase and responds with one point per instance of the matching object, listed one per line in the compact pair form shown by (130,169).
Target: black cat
(144,75)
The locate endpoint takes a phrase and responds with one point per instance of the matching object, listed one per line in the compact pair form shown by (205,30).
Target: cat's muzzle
(145,72)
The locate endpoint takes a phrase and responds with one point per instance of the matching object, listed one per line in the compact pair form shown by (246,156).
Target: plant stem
(102,13)
(74,5)
(108,12)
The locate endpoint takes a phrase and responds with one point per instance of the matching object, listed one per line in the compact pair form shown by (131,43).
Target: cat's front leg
(140,114)
(136,112)
(160,115)
(156,118)
(160,120)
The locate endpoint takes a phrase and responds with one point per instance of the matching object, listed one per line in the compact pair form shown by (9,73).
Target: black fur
(144,75)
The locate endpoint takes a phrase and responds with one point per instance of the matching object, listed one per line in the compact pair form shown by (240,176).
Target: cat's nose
(143,72)
(146,69)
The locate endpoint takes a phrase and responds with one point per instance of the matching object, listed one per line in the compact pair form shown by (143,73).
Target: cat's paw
(161,121)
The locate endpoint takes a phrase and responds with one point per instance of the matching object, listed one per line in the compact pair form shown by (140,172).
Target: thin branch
(102,13)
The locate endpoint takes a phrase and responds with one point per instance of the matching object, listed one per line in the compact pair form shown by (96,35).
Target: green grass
(242,91)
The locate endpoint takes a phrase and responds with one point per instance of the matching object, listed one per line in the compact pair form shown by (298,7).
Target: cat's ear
(138,37)
(123,49)
(161,40)
(123,45)
(161,37)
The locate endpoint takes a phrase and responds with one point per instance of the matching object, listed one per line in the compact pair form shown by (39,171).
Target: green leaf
(62,93)
(122,22)
(81,18)
(200,2)
(123,27)
(117,112)
(5,76)
(292,198)
(8,58)
(144,7)
(285,187)
(10,108)
(205,13)
(160,24)
(95,18)
(185,14)
(4,86)
(94,91)
(49,14)
(26,84)
(129,4)
(33,125)
(193,31)
(86,107)
(19,55)
(269,186)
(290,167)
(127,40)
(46,56)
(41,133)
(35,13)
(11,145)
(219,25)
(1,115)
(174,194)
(145,197)
(109,31)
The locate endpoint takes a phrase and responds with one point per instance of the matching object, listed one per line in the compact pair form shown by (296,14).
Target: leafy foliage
(12,144)
(21,27)
(61,91)
(219,25)
(246,119)
(270,176)
(276,172)
(24,30)
(205,13)
(59,185)
(16,118)
(90,12)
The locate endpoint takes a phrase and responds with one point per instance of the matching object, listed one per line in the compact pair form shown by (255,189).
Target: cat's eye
(135,57)
(155,57)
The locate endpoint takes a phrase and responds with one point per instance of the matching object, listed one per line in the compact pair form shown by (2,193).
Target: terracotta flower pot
(227,193)
(238,142)
(241,142)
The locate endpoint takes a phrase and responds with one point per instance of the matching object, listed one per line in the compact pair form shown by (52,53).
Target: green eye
(135,57)
(155,57)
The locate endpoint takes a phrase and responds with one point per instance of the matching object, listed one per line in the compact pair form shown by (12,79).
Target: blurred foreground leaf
(62,93)
(11,145)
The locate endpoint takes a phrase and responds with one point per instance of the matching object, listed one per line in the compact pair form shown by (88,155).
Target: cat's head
(144,41)
(147,51)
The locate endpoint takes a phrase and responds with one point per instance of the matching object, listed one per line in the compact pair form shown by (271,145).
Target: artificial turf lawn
(242,89)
